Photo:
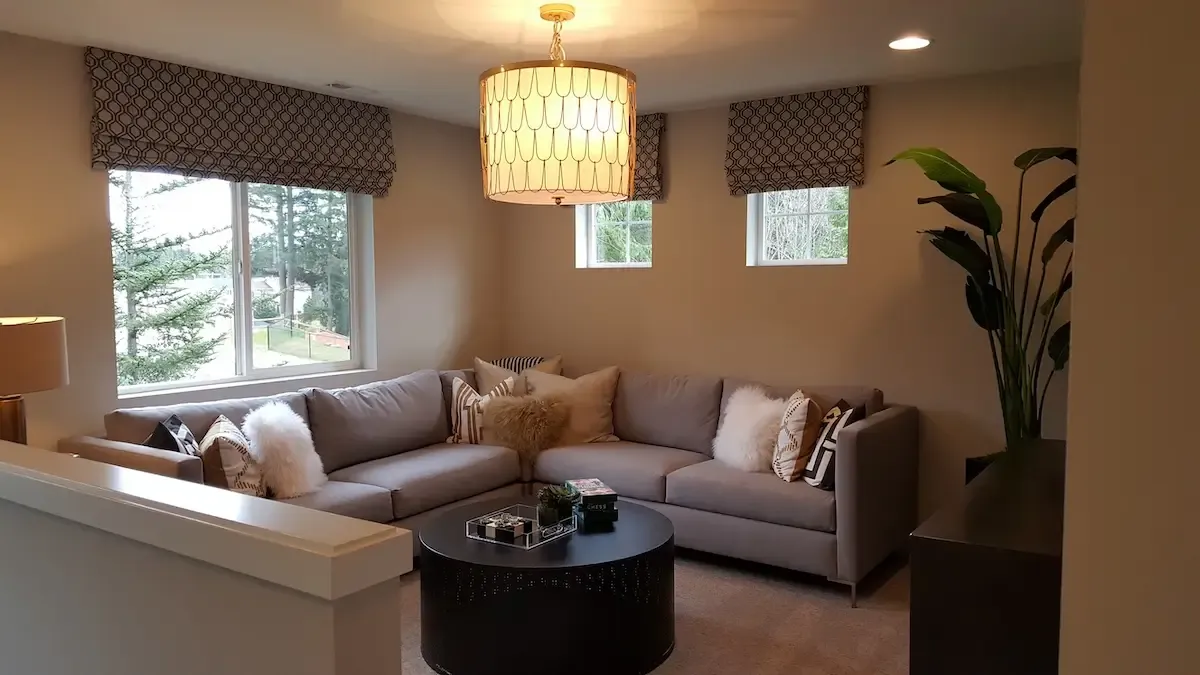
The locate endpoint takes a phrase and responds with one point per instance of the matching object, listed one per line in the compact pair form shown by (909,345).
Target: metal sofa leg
(853,589)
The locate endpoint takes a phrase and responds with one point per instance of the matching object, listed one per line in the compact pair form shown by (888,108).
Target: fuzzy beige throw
(527,424)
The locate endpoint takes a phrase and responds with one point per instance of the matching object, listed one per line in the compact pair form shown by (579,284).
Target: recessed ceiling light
(909,42)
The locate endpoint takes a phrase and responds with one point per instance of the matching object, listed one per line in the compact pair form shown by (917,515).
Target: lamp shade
(557,132)
(33,354)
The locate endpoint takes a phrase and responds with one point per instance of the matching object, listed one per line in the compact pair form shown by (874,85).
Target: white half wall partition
(111,571)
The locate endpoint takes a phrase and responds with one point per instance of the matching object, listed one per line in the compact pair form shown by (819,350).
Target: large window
(216,281)
(613,235)
(798,227)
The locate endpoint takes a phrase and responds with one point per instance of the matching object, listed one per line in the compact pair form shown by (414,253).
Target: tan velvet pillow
(487,375)
(590,398)
(527,424)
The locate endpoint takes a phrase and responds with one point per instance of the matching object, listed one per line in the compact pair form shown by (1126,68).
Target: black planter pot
(973,466)
(551,514)
(547,515)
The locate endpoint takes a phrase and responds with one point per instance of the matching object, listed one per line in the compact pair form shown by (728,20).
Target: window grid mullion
(352,279)
(629,236)
(593,243)
(762,227)
(244,305)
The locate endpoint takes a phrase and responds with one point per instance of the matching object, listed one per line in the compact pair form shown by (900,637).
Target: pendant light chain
(556,49)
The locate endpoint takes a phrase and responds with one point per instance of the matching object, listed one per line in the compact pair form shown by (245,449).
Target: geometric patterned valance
(793,142)
(157,116)
(647,168)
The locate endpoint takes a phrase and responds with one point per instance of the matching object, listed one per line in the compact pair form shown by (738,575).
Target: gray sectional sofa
(383,447)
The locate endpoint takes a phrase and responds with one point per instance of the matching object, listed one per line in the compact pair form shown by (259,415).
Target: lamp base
(12,419)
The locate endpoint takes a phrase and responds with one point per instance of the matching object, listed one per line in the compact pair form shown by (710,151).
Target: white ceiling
(425,56)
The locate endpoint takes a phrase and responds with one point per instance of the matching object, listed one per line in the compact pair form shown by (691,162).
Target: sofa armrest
(134,456)
(875,479)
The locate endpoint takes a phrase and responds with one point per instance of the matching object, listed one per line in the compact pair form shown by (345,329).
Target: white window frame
(585,240)
(756,242)
(360,235)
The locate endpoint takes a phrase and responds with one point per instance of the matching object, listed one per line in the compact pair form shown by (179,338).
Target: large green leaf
(1057,296)
(965,207)
(962,249)
(992,208)
(1063,235)
(1059,347)
(986,304)
(1031,158)
(943,169)
(1062,189)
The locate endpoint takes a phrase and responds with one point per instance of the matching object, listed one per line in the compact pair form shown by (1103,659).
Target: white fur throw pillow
(749,430)
(282,445)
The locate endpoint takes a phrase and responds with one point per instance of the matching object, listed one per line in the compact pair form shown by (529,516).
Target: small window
(613,235)
(798,227)
(217,282)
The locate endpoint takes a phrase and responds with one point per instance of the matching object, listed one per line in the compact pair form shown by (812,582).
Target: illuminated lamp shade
(557,131)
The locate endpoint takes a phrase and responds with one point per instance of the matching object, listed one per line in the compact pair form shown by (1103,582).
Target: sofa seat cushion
(435,475)
(712,486)
(365,502)
(632,469)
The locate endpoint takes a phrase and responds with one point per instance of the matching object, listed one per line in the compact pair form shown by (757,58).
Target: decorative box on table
(595,521)
(517,526)
(595,503)
(592,495)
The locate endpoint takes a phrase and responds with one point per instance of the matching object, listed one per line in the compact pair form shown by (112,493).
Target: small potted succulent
(555,503)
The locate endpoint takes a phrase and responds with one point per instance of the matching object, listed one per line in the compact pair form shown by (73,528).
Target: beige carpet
(732,620)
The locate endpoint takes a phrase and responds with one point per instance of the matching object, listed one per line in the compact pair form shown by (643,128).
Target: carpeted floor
(737,619)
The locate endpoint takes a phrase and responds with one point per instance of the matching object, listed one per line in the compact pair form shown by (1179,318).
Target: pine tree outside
(175,294)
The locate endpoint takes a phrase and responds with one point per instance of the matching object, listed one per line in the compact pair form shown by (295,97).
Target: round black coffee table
(601,602)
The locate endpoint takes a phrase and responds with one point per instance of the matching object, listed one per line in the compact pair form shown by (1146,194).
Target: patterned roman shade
(156,116)
(647,169)
(793,142)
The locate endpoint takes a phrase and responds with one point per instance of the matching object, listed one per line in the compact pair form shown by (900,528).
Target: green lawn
(298,344)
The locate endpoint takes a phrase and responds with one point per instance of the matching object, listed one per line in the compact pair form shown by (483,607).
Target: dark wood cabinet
(987,572)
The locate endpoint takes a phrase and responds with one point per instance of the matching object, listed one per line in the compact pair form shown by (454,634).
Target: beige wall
(1131,547)
(894,317)
(434,241)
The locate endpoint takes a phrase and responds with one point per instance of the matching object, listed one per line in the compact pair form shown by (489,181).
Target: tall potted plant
(1028,347)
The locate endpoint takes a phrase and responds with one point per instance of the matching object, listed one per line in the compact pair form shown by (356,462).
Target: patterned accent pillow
(466,409)
(488,376)
(173,435)
(518,363)
(225,452)
(797,437)
(819,471)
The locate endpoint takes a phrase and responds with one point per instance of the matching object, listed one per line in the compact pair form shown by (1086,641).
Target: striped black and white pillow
(518,363)
(466,409)
(819,471)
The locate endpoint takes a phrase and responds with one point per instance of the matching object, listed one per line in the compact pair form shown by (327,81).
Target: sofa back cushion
(358,424)
(673,411)
(447,376)
(825,395)
(134,425)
